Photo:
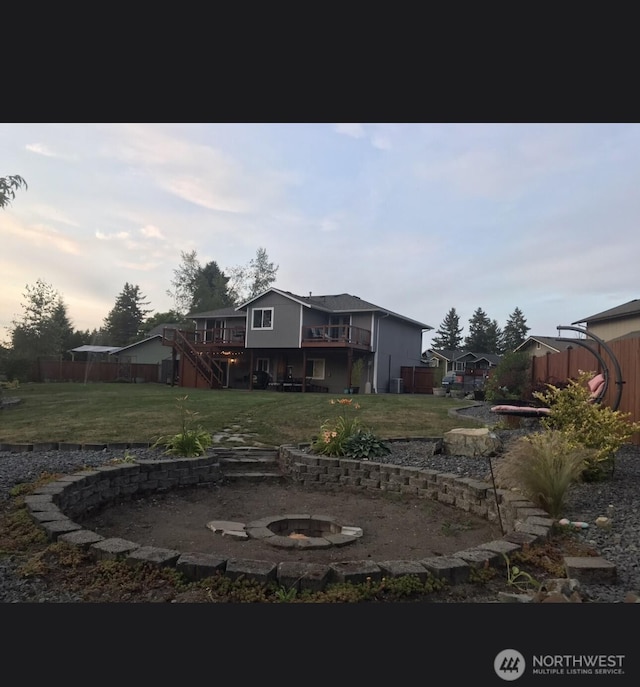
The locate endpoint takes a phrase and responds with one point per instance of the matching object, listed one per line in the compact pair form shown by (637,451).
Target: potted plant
(356,375)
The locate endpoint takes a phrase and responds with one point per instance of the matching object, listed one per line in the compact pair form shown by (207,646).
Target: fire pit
(302,531)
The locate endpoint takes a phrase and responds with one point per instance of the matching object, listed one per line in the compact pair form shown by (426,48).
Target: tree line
(45,329)
(485,335)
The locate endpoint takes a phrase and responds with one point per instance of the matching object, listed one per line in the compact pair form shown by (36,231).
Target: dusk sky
(415,218)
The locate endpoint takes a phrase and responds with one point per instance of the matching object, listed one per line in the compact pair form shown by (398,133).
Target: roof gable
(624,310)
(339,303)
(547,341)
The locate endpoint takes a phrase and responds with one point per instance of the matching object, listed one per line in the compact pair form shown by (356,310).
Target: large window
(315,368)
(262,318)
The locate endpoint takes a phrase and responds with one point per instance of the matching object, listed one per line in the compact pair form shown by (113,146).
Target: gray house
(282,341)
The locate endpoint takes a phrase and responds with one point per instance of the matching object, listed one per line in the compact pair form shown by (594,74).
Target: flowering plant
(335,432)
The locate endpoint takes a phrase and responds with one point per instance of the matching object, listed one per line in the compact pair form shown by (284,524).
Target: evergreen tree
(480,335)
(210,290)
(123,324)
(169,317)
(449,335)
(494,338)
(515,331)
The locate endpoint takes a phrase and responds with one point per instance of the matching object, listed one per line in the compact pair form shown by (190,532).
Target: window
(315,368)
(262,318)
(262,364)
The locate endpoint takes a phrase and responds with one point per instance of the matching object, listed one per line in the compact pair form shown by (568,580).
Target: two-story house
(284,341)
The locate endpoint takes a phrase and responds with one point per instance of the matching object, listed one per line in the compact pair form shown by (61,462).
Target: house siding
(287,323)
(401,343)
(147,352)
(613,329)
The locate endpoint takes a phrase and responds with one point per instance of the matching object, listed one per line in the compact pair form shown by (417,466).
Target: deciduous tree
(8,187)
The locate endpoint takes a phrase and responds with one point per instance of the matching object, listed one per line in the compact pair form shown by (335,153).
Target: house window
(262,318)
(315,368)
(262,364)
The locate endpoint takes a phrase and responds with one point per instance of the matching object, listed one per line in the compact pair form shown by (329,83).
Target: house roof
(624,310)
(339,303)
(159,328)
(451,356)
(548,341)
(137,343)
(220,312)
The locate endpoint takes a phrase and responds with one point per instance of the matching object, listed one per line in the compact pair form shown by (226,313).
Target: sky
(417,218)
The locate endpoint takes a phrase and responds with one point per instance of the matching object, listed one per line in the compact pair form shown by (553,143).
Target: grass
(113,412)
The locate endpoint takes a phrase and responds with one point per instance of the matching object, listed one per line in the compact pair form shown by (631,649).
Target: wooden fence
(54,370)
(417,380)
(554,368)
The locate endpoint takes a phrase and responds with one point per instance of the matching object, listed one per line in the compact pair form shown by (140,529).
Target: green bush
(587,424)
(365,445)
(511,379)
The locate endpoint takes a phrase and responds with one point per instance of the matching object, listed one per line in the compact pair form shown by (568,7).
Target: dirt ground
(395,527)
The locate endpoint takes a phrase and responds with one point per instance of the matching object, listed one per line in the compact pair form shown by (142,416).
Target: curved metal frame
(618,372)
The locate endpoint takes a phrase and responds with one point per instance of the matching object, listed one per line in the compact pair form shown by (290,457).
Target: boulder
(471,442)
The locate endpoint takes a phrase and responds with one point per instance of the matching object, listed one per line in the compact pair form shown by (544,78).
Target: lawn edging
(56,505)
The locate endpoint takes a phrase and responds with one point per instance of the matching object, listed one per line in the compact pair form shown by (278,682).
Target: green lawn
(111,412)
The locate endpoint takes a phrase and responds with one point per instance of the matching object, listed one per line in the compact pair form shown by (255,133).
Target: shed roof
(96,349)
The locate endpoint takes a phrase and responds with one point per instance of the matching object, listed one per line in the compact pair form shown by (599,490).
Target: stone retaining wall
(55,505)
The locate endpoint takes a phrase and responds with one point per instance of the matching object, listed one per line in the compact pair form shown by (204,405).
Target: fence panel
(555,368)
(50,370)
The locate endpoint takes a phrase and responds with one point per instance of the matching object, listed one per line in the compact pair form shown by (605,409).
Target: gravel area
(616,498)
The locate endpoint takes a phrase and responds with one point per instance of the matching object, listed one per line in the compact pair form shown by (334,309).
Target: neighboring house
(613,323)
(461,361)
(149,351)
(292,342)
(541,345)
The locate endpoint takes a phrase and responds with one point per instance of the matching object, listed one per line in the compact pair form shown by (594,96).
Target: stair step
(247,464)
(254,476)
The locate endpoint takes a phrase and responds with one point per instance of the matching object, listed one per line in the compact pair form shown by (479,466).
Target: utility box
(396,386)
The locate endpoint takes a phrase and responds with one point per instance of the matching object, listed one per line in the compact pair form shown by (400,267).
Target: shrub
(587,424)
(365,445)
(542,466)
(511,379)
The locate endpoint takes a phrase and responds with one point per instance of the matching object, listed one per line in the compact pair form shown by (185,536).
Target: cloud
(119,236)
(38,235)
(151,232)
(40,149)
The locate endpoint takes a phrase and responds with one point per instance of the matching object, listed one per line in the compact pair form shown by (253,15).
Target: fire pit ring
(301,531)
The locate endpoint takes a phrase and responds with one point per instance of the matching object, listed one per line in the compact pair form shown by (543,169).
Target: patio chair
(597,389)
